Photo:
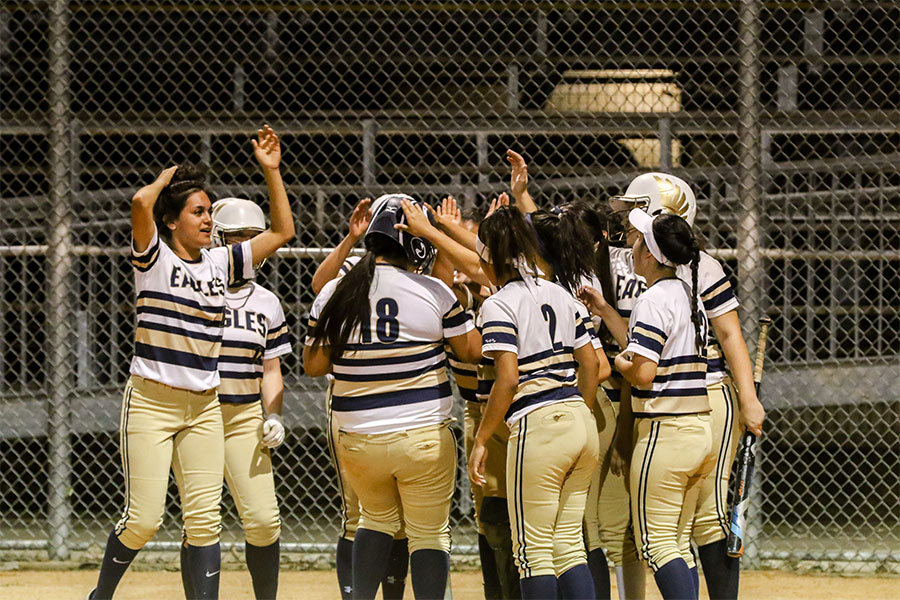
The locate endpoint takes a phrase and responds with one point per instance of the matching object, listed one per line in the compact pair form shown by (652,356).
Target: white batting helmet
(231,215)
(661,193)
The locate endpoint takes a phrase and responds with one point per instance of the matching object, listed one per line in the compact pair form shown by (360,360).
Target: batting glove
(273,431)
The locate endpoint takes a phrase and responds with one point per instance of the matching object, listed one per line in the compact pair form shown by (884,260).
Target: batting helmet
(661,193)
(387,211)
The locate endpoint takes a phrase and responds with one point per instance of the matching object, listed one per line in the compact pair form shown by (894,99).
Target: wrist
(273,417)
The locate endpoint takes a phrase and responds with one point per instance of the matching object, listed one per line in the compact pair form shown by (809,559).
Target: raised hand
(360,218)
(150,192)
(448,211)
(267,148)
(417,223)
(518,177)
(501,200)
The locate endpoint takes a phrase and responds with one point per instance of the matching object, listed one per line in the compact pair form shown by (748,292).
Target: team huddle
(596,346)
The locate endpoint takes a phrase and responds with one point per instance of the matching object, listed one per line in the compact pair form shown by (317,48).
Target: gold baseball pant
(712,519)
(163,427)
(248,471)
(349,499)
(672,456)
(403,478)
(551,457)
(607,515)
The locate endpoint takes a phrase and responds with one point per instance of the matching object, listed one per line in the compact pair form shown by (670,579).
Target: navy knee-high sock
(186,582)
(675,581)
(263,562)
(371,557)
(344,563)
(721,572)
(393,585)
(695,577)
(492,589)
(576,584)
(540,587)
(205,563)
(116,559)
(600,573)
(430,570)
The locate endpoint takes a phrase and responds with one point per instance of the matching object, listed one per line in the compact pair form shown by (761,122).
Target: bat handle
(764,324)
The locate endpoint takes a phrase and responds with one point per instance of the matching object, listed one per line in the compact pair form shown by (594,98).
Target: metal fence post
(749,255)
(59,265)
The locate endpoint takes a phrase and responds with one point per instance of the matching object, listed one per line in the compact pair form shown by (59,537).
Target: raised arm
(463,259)
(331,266)
(142,224)
(267,150)
(518,182)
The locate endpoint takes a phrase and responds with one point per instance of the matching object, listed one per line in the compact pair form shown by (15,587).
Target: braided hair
(677,243)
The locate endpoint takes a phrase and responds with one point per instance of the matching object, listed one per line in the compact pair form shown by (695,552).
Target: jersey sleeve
(240,263)
(584,329)
(499,331)
(144,261)
(278,340)
(716,291)
(316,309)
(348,264)
(648,331)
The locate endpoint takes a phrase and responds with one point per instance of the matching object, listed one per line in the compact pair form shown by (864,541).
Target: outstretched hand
(360,218)
(448,212)
(592,299)
(518,177)
(417,223)
(501,200)
(267,148)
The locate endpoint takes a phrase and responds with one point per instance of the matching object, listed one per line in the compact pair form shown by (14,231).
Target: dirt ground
(322,585)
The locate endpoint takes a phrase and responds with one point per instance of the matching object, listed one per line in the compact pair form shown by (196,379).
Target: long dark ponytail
(677,243)
(349,306)
(509,240)
(597,222)
(564,240)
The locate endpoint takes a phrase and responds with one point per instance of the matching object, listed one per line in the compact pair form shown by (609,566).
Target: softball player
(729,380)
(170,411)
(337,264)
(380,331)
(255,336)
(535,331)
(607,513)
(665,364)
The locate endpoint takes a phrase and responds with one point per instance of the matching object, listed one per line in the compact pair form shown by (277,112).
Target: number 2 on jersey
(550,317)
(387,328)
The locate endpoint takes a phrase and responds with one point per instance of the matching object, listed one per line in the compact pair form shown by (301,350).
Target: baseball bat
(746,457)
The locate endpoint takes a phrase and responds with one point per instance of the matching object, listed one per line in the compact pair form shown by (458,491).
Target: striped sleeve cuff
(499,336)
(144,261)
(719,298)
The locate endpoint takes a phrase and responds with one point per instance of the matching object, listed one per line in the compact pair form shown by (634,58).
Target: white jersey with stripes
(181,310)
(255,331)
(393,375)
(661,330)
(542,325)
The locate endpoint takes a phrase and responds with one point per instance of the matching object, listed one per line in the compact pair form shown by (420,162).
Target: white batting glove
(273,431)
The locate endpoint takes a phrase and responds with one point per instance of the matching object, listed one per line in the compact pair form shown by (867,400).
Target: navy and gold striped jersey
(543,330)
(718,298)
(661,330)
(181,310)
(255,330)
(393,374)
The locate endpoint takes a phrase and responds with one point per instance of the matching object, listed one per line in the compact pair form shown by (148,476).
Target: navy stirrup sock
(205,563)
(675,581)
(344,563)
(492,589)
(116,559)
(695,576)
(576,584)
(394,583)
(600,573)
(263,562)
(721,572)
(540,587)
(429,569)
(371,558)
(186,582)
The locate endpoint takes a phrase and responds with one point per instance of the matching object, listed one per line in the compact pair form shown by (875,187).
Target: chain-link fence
(785,116)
